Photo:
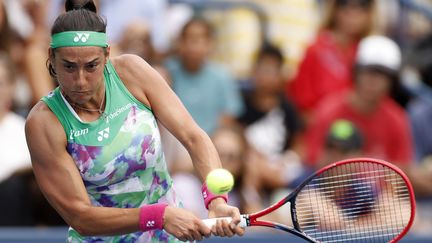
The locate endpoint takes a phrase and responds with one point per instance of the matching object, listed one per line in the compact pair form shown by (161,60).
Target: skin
(195,46)
(80,77)
(371,88)
(351,23)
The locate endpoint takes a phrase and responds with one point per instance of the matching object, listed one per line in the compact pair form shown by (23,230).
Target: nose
(80,79)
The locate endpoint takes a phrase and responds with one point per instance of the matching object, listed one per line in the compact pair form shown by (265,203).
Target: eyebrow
(69,62)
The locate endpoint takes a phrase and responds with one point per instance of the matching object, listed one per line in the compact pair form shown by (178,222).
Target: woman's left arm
(151,89)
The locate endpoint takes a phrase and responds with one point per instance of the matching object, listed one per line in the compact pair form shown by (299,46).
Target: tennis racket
(354,200)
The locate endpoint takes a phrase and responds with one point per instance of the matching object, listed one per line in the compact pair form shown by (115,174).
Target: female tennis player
(96,148)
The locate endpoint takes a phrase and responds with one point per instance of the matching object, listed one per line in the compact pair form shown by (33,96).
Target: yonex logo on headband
(83,37)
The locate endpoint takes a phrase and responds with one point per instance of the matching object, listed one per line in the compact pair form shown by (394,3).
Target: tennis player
(96,148)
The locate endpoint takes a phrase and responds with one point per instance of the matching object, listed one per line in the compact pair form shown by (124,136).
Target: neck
(265,101)
(362,105)
(343,39)
(94,105)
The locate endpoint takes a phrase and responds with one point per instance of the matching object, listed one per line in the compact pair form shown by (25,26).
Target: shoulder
(332,104)
(42,121)
(218,70)
(128,63)
(395,113)
(133,70)
(419,108)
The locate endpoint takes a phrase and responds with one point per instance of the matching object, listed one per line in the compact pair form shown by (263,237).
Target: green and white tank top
(119,156)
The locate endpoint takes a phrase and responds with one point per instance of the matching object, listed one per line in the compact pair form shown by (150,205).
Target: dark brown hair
(330,16)
(200,21)
(80,15)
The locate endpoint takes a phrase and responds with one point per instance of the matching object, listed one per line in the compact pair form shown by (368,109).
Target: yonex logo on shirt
(104,134)
(150,223)
(83,37)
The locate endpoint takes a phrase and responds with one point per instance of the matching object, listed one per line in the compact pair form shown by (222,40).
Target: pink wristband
(208,196)
(151,216)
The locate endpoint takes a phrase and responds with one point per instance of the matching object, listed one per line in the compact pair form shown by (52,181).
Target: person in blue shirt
(207,90)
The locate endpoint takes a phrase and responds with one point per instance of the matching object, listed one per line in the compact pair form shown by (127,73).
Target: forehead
(80,53)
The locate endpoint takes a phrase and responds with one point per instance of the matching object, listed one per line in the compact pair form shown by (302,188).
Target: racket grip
(211,222)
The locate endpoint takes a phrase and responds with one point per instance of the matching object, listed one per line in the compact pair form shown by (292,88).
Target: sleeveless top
(119,156)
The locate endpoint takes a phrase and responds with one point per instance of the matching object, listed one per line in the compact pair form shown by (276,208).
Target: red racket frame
(252,219)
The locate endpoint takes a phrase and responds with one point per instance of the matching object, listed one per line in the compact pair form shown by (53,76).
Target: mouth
(81,92)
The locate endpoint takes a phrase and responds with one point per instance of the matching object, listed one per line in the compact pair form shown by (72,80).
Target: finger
(239,230)
(203,229)
(227,229)
(235,214)
(219,228)
(196,235)
(182,239)
(214,230)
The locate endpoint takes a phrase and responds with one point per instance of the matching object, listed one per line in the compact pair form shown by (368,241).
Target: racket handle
(211,222)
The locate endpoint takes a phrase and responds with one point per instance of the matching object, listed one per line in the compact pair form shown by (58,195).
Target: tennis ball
(219,181)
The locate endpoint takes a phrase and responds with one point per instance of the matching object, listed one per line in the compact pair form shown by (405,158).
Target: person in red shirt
(383,123)
(328,62)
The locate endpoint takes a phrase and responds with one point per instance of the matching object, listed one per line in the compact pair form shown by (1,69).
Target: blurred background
(282,87)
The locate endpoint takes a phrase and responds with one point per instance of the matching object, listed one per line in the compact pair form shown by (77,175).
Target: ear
(107,53)
(51,55)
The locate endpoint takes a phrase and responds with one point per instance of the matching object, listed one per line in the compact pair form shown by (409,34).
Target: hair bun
(80,4)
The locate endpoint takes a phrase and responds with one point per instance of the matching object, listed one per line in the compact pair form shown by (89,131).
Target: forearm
(106,221)
(203,153)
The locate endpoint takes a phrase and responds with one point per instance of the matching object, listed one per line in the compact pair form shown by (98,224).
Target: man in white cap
(380,119)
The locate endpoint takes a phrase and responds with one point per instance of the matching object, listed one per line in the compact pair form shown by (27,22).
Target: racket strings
(354,202)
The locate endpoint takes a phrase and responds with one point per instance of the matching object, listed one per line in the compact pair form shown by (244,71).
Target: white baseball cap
(379,51)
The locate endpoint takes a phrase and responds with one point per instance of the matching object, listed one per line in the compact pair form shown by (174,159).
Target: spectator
(328,62)
(420,109)
(420,112)
(206,90)
(272,124)
(343,141)
(14,155)
(381,121)
(153,12)
(136,39)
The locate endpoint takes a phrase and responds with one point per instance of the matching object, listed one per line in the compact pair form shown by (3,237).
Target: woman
(328,62)
(96,149)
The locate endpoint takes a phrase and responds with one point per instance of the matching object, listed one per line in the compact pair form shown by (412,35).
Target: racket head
(354,199)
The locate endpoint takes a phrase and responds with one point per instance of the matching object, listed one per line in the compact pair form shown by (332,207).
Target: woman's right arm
(61,183)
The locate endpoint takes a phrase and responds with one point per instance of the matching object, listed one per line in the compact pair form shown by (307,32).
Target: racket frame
(252,219)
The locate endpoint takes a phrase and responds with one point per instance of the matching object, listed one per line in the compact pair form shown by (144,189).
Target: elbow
(82,228)
(193,137)
(81,223)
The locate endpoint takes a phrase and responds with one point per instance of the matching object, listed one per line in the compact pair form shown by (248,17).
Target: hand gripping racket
(356,200)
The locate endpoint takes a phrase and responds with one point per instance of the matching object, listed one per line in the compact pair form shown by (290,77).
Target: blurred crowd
(283,87)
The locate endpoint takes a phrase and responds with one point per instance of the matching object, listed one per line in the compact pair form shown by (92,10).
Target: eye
(91,67)
(69,67)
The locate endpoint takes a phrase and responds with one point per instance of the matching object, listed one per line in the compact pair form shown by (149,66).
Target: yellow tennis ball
(220,181)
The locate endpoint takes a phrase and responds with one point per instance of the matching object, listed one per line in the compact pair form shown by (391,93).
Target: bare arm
(150,88)
(61,183)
